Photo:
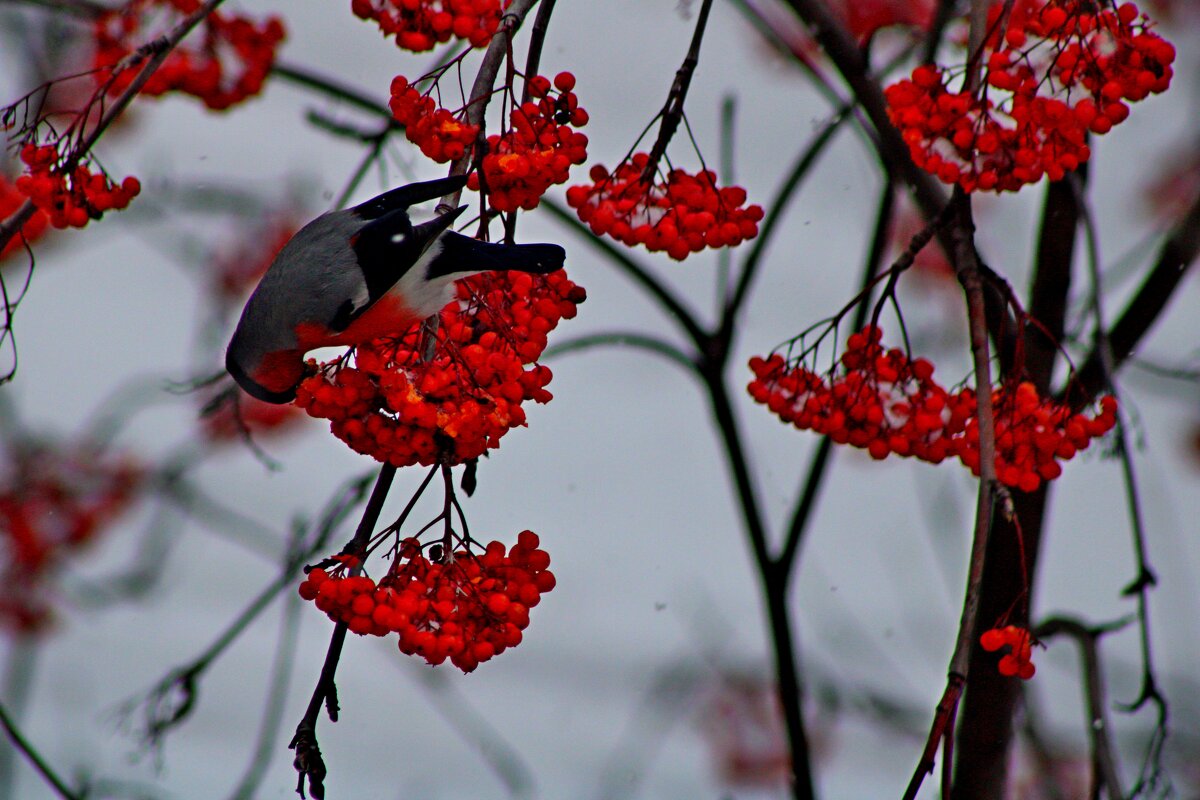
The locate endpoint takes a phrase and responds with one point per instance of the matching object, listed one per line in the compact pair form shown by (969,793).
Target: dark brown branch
(817,468)
(1104,755)
(1177,254)
(308,761)
(672,111)
(969,275)
(640,274)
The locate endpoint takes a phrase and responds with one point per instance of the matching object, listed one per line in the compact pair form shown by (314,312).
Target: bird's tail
(464,255)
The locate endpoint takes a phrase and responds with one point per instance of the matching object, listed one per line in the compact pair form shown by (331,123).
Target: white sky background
(621,475)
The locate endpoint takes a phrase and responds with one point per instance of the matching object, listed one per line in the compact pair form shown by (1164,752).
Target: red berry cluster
(52,502)
(1018,661)
(442,135)
(11,199)
(419,25)
(1062,67)
(885,403)
(400,408)
(682,215)
(463,607)
(230,64)
(70,199)
(538,150)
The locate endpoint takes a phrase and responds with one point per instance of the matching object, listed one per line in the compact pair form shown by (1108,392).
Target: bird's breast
(387,316)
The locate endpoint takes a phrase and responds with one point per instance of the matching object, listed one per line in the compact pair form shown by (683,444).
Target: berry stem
(971,279)
(35,758)
(1105,772)
(308,761)
(485,79)
(154,53)
(672,111)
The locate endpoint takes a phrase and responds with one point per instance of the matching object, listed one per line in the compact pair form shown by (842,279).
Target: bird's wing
(461,254)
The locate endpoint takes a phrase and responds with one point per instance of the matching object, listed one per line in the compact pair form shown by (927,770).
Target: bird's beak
(427,232)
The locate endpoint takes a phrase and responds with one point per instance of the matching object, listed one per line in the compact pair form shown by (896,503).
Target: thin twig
(672,111)
(35,758)
(634,339)
(278,683)
(1105,772)
(673,305)
(308,762)
(817,467)
(1144,580)
(972,282)
(806,160)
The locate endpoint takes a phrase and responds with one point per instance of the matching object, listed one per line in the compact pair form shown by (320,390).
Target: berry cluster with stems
(403,408)
(1018,662)
(1054,71)
(11,199)
(230,64)
(538,149)
(53,501)
(441,134)
(420,25)
(458,605)
(70,198)
(884,402)
(680,215)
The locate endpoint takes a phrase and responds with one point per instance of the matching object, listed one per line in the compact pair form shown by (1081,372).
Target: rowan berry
(69,198)
(682,215)
(420,25)
(1018,662)
(458,606)
(538,149)
(54,499)
(402,408)
(230,64)
(886,403)
(1063,68)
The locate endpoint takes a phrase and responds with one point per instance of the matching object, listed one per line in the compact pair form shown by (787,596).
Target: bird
(357,274)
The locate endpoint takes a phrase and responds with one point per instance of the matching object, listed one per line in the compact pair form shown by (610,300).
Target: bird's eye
(399,237)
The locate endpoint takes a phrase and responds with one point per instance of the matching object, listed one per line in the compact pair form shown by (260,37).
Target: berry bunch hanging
(402,408)
(11,199)
(537,151)
(1018,662)
(70,198)
(419,25)
(53,501)
(230,64)
(463,606)
(1054,70)
(681,215)
(885,403)
(441,134)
